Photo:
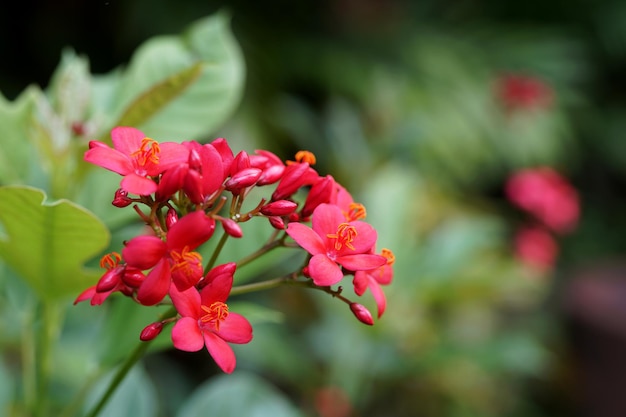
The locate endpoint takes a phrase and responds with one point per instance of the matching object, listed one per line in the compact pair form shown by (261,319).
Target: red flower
(373,280)
(136,157)
(333,242)
(172,259)
(547,195)
(206,320)
(536,248)
(523,92)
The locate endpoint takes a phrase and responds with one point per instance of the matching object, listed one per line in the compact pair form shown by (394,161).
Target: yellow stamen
(305,156)
(216,312)
(387,253)
(356,211)
(110,260)
(148,152)
(345,236)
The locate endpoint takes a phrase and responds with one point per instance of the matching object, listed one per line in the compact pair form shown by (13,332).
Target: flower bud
(279,208)
(231,227)
(151,331)
(271,174)
(121,198)
(110,279)
(133,277)
(362,313)
(240,162)
(171,218)
(242,179)
(277,222)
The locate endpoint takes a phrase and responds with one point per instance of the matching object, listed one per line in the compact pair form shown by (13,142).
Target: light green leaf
(236,395)
(182,87)
(48,244)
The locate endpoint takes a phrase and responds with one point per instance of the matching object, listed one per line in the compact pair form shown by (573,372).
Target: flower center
(215,313)
(186,266)
(345,236)
(305,156)
(356,211)
(148,152)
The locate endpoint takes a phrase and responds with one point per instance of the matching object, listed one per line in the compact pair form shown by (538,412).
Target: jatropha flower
(171,260)
(136,157)
(336,243)
(547,195)
(207,321)
(186,188)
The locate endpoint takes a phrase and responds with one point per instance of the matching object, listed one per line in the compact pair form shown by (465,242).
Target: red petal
(110,159)
(126,139)
(218,289)
(187,302)
(155,286)
(324,271)
(85,295)
(191,230)
(364,240)
(362,262)
(379,296)
(221,352)
(360,282)
(143,252)
(326,219)
(307,238)
(187,336)
(235,329)
(136,184)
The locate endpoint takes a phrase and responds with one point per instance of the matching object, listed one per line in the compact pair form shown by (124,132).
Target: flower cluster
(185,188)
(523,92)
(553,204)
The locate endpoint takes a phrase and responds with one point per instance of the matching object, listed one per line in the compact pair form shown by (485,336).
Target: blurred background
(424,110)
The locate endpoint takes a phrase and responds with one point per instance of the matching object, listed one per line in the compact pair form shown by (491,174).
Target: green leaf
(182,87)
(48,244)
(135,397)
(236,395)
(16,151)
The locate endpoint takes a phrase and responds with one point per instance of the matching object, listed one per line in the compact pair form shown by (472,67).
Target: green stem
(51,314)
(121,373)
(216,252)
(263,249)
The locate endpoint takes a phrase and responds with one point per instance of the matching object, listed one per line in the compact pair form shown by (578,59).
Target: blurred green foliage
(397,99)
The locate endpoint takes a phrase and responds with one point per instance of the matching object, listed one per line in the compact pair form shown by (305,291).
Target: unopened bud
(362,313)
(242,179)
(231,227)
(133,277)
(271,174)
(121,198)
(109,279)
(151,331)
(279,208)
(171,218)
(277,222)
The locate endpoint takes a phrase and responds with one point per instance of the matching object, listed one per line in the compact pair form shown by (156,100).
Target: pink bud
(279,208)
(110,279)
(231,227)
(133,277)
(362,313)
(271,174)
(242,179)
(151,331)
(277,222)
(241,162)
(171,181)
(171,218)
(121,198)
